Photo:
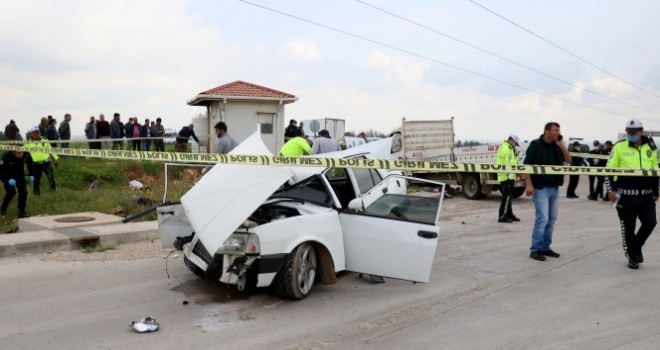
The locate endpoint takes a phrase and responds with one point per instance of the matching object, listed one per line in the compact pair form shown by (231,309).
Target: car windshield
(311,189)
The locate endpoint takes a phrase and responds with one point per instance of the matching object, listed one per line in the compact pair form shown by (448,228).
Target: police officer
(41,162)
(636,195)
(12,174)
(596,191)
(506,154)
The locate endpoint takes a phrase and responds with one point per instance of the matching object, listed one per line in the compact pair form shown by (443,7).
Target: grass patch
(95,249)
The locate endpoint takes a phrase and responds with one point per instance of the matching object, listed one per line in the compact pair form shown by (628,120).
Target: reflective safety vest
(626,155)
(40,157)
(506,154)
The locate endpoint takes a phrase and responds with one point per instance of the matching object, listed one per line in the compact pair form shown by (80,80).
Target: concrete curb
(106,234)
(33,242)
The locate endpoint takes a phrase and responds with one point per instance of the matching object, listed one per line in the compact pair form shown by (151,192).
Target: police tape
(313,161)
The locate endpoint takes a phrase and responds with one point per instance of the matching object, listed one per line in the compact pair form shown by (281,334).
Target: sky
(599,61)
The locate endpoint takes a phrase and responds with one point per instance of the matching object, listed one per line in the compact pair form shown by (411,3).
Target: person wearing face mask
(634,196)
(573,180)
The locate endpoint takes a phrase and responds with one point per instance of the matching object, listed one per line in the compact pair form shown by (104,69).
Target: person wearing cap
(42,162)
(634,197)
(12,175)
(506,155)
(297,146)
(324,143)
(597,191)
(544,189)
(292,131)
(11,130)
(573,180)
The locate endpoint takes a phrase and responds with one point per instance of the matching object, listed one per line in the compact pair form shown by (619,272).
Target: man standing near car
(324,143)
(297,146)
(225,142)
(506,155)
(544,189)
(636,196)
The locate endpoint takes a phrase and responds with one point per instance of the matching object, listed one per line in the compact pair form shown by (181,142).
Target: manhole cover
(75,219)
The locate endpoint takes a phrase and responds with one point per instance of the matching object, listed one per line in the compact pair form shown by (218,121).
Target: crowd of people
(633,197)
(299,144)
(103,134)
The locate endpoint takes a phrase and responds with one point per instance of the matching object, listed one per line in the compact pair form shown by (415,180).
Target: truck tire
(472,187)
(296,277)
(518,191)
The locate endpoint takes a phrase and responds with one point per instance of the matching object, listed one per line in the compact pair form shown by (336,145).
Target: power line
(609,30)
(505,58)
(564,50)
(411,53)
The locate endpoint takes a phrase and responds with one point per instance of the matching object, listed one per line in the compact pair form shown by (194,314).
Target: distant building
(245,107)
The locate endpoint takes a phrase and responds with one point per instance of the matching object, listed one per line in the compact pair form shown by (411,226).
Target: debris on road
(145,325)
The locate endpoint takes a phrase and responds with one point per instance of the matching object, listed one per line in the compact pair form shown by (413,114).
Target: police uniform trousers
(10,192)
(630,208)
(39,168)
(507,196)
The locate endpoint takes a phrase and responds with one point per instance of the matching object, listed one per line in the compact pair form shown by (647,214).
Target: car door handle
(427,234)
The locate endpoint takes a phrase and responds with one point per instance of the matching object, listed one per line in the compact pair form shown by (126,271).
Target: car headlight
(241,244)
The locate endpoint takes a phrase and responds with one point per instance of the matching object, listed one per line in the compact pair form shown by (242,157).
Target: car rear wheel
(192,267)
(296,277)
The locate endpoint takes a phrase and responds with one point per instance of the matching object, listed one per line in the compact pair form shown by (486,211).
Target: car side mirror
(356,204)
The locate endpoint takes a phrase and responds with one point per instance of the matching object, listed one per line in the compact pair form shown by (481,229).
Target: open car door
(390,233)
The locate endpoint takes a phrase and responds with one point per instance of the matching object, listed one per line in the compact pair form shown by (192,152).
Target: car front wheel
(192,267)
(296,277)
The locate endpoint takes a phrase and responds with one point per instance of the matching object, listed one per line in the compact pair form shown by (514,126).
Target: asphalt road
(485,293)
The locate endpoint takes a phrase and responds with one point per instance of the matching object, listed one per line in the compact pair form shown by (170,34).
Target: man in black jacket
(544,189)
(12,174)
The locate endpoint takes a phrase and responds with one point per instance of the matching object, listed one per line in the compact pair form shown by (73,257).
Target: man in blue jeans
(544,189)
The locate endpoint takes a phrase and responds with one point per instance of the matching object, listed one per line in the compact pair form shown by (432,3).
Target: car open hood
(229,193)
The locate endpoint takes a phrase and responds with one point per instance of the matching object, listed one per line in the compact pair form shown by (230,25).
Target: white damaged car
(288,227)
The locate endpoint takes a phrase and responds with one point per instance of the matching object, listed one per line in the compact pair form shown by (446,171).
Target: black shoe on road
(514,218)
(592,198)
(572,196)
(638,258)
(505,219)
(537,255)
(551,253)
(632,264)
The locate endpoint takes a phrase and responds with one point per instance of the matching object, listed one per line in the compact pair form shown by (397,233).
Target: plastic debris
(135,184)
(145,325)
(95,185)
